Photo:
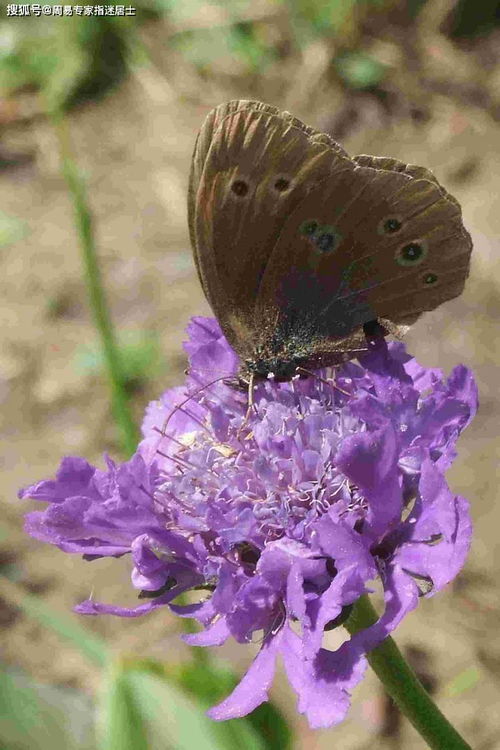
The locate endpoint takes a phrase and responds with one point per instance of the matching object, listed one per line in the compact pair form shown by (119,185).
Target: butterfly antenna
(206,370)
(323,380)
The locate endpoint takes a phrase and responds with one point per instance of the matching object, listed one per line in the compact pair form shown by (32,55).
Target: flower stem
(403,685)
(97,297)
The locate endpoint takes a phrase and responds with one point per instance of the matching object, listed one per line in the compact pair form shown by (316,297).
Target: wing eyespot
(325,238)
(430,278)
(392,225)
(239,188)
(411,254)
(309,227)
(326,241)
(282,184)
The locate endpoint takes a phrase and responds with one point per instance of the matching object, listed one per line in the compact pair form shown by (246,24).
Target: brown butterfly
(303,251)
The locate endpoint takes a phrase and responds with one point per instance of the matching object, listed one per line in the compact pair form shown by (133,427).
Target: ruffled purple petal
(215,635)
(209,353)
(254,686)
(323,685)
(91,607)
(73,479)
(346,588)
(370,460)
(440,537)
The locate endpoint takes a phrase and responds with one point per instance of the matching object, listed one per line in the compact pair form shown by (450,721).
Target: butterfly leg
(251,405)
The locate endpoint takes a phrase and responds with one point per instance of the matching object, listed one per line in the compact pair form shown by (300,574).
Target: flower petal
(214,635)
(322,685)
(370,460)
(254,686)
(91,607)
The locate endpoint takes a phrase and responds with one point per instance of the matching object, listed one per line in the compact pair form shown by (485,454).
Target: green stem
(403,685)
(97,297)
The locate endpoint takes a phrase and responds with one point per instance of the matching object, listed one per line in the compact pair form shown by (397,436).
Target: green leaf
(140,354)
(121,725)
(11,229)
(463,681)
(202,47)
(144,710)
(43,717)
(359,71)
(245,43)
(68,59)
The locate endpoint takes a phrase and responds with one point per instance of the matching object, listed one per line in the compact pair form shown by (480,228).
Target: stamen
(178,407)
(197,420)
(170,437)
(183,464)
(217,395)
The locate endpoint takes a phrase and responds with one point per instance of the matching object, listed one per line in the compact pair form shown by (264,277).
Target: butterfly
(304,252)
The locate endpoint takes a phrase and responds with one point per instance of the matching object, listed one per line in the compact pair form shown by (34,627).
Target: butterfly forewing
(257,169)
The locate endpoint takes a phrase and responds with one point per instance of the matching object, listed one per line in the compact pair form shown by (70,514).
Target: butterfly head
(292,362)
(279,369)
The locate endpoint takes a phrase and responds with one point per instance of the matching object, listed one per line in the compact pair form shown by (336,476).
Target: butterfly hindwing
(392,245)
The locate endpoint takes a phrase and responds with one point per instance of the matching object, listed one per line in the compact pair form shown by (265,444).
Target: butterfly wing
(298,246)
(388,243)
(252,167)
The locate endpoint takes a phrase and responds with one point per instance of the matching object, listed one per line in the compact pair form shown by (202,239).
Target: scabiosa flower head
(282,516)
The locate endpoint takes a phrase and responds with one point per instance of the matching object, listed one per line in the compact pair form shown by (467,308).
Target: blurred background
(418,80)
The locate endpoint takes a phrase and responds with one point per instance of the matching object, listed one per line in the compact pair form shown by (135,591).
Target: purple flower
(282,517)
